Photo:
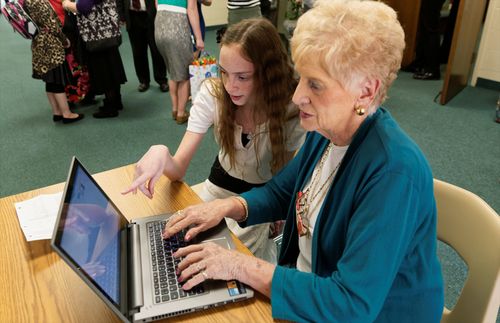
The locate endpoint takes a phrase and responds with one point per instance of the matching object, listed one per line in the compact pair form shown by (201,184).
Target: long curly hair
(274,84)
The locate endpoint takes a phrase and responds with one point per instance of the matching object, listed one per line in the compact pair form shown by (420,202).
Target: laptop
(127,263)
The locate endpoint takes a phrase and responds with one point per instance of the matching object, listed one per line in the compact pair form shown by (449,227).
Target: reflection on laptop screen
(90,234)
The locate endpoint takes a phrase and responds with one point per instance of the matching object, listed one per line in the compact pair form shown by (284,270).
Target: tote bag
(100,28)
(199,70)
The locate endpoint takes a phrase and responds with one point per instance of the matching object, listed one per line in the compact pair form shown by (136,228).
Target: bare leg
(62,104)
(173,95)
(53,104)
(183,95)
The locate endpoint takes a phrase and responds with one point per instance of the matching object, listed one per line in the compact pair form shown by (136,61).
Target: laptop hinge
(136,300)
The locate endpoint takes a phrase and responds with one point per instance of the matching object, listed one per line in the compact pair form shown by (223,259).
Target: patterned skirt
(173,39)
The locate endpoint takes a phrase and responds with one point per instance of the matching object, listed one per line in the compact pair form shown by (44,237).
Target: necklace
(305,198)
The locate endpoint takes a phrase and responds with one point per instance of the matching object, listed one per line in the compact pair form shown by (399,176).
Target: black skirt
(106,70)
(58,75)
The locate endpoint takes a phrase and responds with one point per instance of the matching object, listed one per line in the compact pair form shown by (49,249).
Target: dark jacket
(124,8)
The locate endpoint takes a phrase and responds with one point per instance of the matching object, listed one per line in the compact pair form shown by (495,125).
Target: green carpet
(35,152)
(460,140)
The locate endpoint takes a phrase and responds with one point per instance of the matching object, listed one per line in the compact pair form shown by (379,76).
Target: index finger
(136,183)
(176,223)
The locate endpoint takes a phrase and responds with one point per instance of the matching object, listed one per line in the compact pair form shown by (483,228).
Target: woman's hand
(200,45)
(208,261)
(211,261)
(199,218)
(148,170)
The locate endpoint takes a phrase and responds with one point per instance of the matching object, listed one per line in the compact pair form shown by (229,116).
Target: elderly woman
(359,244)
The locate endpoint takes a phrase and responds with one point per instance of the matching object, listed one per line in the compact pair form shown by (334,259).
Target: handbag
(19,19)
(100,28)
(200,69)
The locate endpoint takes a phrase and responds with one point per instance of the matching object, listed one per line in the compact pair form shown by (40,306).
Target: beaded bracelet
(245,206)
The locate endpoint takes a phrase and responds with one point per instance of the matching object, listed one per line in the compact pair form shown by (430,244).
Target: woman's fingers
(138,183)
(183,219)
(196,280)
(173,226)
(194,268)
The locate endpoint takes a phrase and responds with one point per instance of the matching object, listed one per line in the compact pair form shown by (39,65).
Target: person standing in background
(48,58)
(139,18)
(426,63)
(242,9)
(173,38)
(105,65)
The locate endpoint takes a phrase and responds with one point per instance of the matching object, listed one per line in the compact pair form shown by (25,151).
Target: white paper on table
(37,216)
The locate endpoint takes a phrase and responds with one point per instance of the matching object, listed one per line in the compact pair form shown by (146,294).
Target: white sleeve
(295,134)
(202,113)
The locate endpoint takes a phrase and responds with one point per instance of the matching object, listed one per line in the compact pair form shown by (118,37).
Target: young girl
(255,125)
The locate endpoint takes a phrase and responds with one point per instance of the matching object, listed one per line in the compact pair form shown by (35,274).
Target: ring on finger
(205,275)
(198,268)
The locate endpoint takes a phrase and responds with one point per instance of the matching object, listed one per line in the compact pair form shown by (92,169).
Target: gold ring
(204,274)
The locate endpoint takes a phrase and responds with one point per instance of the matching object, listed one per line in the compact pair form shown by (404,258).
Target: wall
(488,60)
(216,14)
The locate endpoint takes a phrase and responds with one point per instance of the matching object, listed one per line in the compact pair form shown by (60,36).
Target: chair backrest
(472,228)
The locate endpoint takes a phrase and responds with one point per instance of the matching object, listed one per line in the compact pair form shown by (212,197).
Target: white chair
(472,228)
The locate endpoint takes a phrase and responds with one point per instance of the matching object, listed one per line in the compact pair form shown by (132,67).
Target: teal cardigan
(374,243)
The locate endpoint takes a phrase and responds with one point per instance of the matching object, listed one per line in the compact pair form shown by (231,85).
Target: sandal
(182,119)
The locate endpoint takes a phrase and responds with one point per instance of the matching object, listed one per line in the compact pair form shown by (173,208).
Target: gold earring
(359,110)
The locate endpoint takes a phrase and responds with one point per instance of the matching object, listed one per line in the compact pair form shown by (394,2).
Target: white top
(205,113)
(305,242)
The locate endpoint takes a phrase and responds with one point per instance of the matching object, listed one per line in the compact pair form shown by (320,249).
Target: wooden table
(37,286)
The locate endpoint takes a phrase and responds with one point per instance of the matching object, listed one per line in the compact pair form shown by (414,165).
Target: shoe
(71,120)
(412,68)
(102,113)
(143,87)
(174,115)
(182,119)
(164,87)
(56,117)
(424,75)
(88,100)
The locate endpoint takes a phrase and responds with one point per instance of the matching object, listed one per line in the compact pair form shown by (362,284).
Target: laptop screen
(88,233)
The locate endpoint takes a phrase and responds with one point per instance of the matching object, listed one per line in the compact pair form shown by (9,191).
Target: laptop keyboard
(165,285)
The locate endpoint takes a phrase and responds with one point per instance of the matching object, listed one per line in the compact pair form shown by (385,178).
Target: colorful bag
(201,69)
(79,80)
(100,28)
(19,19)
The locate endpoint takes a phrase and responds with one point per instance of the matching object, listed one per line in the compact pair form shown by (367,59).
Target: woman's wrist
(242,213)
(256,273)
